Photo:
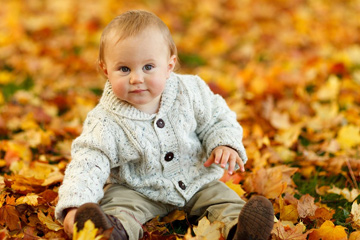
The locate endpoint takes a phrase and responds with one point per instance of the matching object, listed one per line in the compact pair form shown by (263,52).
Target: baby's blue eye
(124,69)
(148,67)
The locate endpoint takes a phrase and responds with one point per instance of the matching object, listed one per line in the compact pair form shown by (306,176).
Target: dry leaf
(236,187)
(286,232)
(306,206)
(30,199)
(288,212)
(207,230)
(87,233)
(328,231)
(355,213)
(49,222)
(174,216)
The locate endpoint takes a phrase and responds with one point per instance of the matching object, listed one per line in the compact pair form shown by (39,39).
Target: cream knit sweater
(159,155)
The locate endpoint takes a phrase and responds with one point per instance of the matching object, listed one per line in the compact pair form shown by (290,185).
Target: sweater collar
(123,109)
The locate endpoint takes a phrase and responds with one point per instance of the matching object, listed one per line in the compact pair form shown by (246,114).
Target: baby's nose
(136,78)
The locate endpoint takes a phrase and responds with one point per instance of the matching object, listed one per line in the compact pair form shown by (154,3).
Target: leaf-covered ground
(290,69)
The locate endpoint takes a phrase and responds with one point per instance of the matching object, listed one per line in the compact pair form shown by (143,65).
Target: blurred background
(260,55)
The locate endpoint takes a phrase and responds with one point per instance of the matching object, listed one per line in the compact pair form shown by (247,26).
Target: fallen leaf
(345,192)
(286,232)
(207,230)
(288,212)
(87,233)
(306,206)
(348,136)
(10,217)
(30,199)
(236,187)
(49,222)
(328,231)
(355,213)
(174,216)
(355,235)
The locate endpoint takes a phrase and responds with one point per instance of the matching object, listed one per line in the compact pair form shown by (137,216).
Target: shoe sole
(91,211)
(256,219)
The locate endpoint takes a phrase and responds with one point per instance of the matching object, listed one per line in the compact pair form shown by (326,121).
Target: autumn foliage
(290,70)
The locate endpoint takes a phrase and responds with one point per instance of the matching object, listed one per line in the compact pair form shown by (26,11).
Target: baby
(156,142)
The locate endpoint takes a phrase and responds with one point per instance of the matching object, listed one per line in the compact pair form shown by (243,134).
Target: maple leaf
(30,199)
(355,235)
(174,216)
(270,182)
(323,214)
(355,213)
(328,231)
(236,187)
(348,136)
(288,212)
(89,232)
(286,232)
(306,206)
(330,89)
(10,217)
(49,222)
(206,230)
(345,192)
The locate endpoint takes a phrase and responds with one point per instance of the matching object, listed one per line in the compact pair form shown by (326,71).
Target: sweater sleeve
(89,169)
(216,123)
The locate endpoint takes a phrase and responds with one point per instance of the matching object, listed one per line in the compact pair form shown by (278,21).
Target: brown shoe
(256,220)
(102,221)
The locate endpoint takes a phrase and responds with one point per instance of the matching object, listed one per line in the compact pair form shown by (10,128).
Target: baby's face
(137,68)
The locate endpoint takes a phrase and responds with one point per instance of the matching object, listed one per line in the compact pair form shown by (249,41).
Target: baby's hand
(69,221)
(223,155)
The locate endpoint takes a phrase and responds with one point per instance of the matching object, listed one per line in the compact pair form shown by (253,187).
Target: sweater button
(182,185)
(169,156)
(160,123)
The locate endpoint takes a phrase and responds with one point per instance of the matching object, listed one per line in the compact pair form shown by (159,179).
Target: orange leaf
(271,182)
(10,217)
(328,231)
(355,235)
(174,215)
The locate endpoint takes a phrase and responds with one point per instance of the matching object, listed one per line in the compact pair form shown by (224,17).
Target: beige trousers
(215,201)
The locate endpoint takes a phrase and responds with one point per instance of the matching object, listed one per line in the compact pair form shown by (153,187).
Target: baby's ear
(103,69)
(171,63)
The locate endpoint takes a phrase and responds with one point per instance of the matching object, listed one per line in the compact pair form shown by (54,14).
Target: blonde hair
(129,24)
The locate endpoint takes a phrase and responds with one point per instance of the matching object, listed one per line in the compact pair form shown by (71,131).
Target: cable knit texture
(159,155)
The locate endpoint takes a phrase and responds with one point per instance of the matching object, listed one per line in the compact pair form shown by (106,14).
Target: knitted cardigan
(159,155)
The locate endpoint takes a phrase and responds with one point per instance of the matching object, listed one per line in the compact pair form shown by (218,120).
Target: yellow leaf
(48,221)
(87,233)
(328,231)
(236,187)
(355,235)
(30,199)
(346,193)
(348,136)
(288,212)
(207,230)
(174,215)
(355,212)
(289,136)
(330,90)
(280,120)
(5,77)
(2,100)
